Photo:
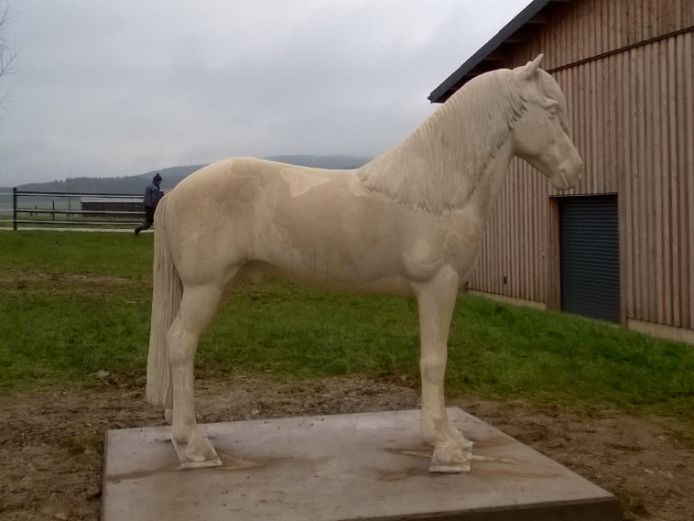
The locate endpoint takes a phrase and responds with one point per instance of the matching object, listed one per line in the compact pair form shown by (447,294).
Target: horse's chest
(440,248)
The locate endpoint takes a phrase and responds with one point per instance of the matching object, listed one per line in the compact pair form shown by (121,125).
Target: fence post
(14,208)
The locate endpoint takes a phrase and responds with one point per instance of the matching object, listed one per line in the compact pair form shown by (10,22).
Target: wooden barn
(620,246)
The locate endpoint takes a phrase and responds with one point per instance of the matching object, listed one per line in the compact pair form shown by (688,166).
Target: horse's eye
(553,110)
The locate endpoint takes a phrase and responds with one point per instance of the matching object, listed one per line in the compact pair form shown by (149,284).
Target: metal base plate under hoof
(187,463)
(443,468)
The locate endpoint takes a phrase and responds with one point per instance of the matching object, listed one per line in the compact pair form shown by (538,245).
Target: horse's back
(224,213)
(228,174)
(220,174)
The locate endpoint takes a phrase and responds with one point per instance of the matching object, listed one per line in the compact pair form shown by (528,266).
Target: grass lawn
(74,303)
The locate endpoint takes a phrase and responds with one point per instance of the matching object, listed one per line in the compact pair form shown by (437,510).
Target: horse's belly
(346,282)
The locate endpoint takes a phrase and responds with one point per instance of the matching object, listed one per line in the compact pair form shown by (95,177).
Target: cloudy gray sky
(102,88)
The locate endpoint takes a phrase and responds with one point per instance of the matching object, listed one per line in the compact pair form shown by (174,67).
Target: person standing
(153,195)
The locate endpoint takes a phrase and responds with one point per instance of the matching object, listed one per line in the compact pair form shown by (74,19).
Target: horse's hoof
(458,438)
(197,453)
(199,447)
(451,457)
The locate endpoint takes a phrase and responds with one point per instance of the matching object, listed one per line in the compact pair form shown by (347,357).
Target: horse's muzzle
(569,174)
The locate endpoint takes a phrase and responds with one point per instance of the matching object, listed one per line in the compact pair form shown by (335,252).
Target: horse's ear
(530,69)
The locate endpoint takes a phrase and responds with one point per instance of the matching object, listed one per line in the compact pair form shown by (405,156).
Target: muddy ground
(51,442)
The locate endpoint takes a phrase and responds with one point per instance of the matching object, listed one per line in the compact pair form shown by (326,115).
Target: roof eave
(447,87)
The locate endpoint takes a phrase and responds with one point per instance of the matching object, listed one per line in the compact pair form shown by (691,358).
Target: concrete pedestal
(329,468)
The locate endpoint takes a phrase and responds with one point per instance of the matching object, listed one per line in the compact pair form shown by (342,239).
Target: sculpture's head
(541,134)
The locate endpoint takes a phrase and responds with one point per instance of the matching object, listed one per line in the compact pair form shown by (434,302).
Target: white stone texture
(408,222)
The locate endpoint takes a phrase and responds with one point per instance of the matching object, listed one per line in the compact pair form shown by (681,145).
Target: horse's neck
(438,167)
(491,182)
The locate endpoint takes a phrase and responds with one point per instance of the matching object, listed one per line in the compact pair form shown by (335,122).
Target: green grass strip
(496,350)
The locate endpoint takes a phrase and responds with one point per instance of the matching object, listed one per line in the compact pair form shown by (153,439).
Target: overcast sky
(110,88)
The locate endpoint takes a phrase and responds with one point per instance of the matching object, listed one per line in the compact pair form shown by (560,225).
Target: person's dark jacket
(152,195)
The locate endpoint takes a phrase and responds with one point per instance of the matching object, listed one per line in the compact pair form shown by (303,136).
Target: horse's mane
(438,167)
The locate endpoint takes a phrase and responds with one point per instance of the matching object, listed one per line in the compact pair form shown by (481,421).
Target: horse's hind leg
(197,308)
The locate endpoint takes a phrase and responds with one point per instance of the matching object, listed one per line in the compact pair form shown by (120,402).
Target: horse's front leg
(436,300)
(196,311)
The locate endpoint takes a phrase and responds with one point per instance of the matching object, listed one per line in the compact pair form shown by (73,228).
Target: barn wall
(587,28)
(633,122)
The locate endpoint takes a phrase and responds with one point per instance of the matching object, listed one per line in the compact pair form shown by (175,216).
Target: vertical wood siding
(632,119)
(586,28)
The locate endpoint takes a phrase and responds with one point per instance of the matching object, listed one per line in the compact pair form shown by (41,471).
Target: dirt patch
(52,440)
(42,282)
(647,462)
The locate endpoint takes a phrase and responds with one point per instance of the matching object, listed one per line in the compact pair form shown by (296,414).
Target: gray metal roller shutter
(589,241)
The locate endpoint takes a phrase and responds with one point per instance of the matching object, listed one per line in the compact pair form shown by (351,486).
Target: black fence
(61,210)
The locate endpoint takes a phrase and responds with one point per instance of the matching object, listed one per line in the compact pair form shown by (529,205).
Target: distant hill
(173,175)
(336,162)
(113,185)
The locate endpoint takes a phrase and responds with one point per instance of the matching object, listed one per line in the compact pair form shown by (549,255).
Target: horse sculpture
(408,222)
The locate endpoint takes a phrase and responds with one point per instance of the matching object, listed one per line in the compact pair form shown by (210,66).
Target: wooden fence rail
(74,210)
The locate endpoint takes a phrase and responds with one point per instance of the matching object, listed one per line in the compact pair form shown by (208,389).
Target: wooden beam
(496,56)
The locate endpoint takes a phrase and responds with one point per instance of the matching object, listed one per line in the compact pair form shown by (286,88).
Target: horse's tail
(166,298)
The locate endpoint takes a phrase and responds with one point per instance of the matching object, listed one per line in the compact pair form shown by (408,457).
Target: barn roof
(487,57)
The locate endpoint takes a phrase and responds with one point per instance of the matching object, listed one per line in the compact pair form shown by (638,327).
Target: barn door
(589,256)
